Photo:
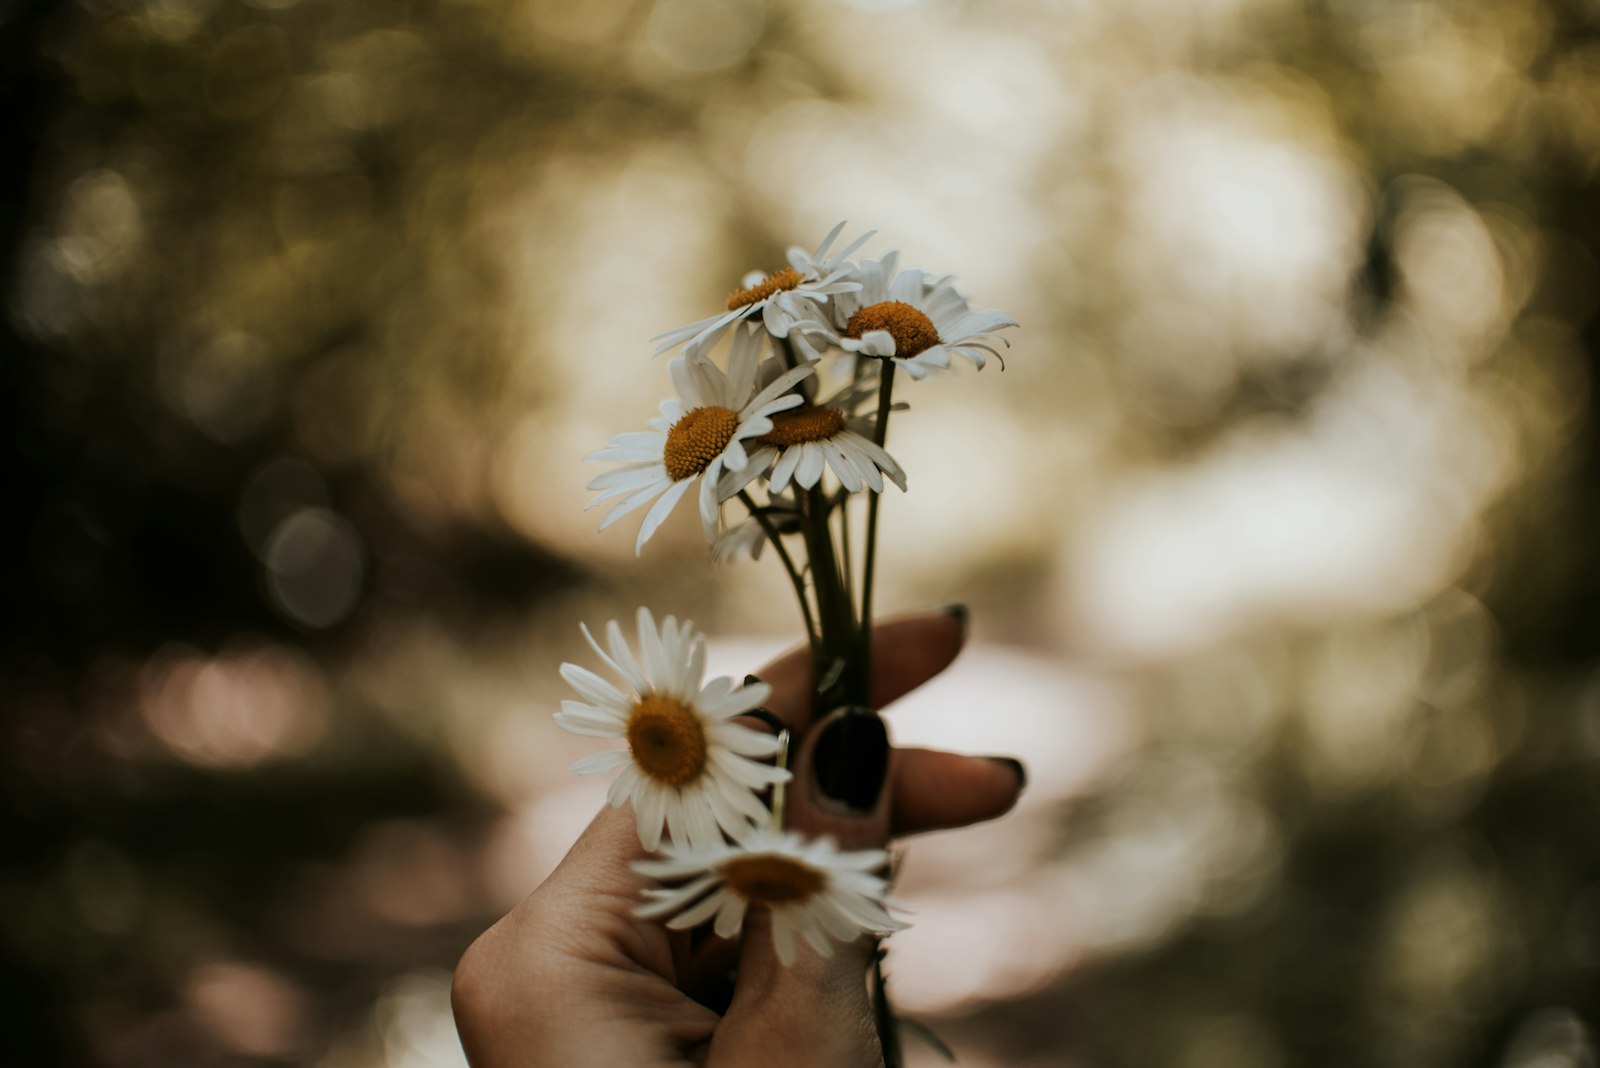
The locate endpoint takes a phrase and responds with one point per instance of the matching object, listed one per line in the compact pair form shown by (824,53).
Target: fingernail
(959,613)
(851,758)
(1016,767)
(751,680)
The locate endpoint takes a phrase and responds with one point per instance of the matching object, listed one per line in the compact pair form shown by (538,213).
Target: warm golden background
(1279,530)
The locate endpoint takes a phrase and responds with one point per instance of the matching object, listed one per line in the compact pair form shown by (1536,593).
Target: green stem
(845,548)
(788,565)
(833,606)
(880,433)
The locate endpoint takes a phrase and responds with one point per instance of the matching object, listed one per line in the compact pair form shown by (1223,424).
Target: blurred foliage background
(1278,529)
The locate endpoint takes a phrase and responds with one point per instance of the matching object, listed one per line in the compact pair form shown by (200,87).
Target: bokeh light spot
(315,566)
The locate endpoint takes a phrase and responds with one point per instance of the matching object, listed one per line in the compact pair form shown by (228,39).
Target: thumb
(815,1010)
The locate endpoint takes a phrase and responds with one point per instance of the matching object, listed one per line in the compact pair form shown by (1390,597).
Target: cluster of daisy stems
(785,435)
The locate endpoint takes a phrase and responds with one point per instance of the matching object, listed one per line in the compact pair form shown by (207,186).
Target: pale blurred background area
(1279,527)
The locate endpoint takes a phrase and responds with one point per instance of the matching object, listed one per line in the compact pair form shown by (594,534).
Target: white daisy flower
(687,767)
(815,892)
(900,315)
(806,439)
(786,298)
(699,434)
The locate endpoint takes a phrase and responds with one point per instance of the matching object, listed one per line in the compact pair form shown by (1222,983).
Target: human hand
(571,977)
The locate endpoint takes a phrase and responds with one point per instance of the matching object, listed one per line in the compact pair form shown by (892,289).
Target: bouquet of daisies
(779,443)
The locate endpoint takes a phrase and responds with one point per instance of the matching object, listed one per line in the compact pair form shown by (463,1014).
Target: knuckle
(472,988)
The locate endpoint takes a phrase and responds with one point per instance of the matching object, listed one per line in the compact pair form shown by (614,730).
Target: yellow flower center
(912,331)
(667,740)
(765,879)
(776,282)
(697,439)
(800,425)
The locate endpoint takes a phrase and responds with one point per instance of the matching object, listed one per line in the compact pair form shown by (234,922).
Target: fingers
(841,773)
(599,862)
(906,653)
(936,791)
(812,1012)
(932,791)
(593,892)
(814,1009)
(928,791)
(570,974)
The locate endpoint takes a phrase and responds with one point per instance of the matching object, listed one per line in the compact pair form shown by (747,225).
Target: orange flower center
(765,879)
(776,282)
(667,740)
(912,331)
(800,425)
(697,439)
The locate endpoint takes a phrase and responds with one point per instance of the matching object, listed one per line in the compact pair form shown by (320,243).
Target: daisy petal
(595,763)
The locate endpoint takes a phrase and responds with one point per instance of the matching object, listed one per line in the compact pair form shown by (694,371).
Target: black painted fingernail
(1016,767)
(751,680)
(959,613)
(851,758)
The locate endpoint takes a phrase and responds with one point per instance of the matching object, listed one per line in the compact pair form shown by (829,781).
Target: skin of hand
(569,977)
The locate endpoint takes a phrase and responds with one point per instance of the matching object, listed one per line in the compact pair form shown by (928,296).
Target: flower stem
(788,565)
(836,670)
(884,1014)
(846,550)
(880,433)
